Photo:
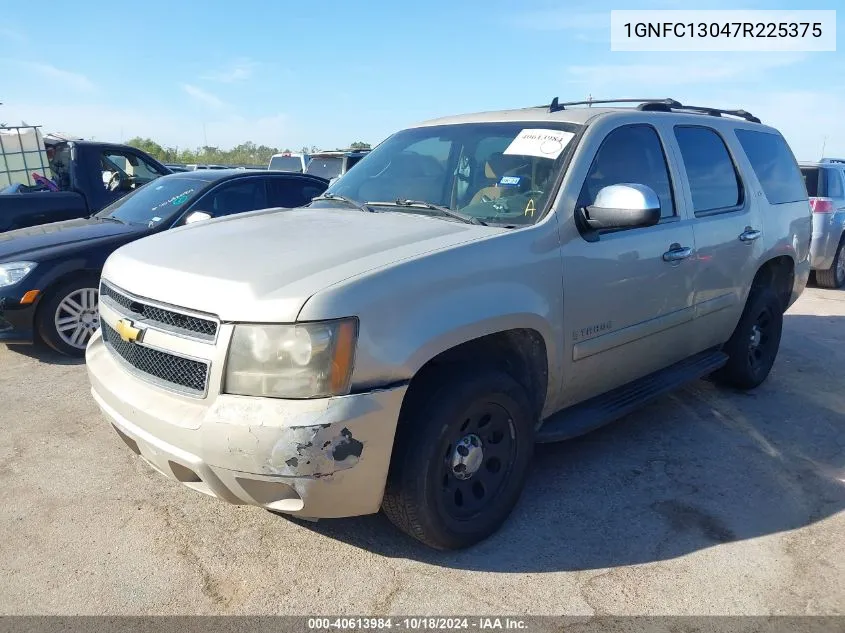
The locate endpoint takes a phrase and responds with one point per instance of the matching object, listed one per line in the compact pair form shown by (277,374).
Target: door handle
(677,253)
(749,234)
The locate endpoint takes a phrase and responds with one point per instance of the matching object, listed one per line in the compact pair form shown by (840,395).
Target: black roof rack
(657,105)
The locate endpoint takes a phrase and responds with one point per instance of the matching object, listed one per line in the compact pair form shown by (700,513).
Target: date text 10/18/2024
(420,623)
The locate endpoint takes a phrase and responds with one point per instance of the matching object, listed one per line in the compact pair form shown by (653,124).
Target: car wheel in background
(753,347)
(463,449)
(68,316)
(834,277)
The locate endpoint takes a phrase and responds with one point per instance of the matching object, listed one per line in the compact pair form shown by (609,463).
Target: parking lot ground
(706,502)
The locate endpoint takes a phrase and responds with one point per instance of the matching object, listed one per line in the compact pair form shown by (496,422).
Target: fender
(412,310)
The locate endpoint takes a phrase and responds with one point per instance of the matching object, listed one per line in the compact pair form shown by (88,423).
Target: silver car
(474,285)
(825,182)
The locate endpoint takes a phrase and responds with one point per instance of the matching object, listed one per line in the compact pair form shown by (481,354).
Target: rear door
(728,230)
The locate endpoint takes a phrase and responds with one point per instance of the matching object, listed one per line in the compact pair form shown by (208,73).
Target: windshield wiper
(422,204)
(349,201)
(110,219)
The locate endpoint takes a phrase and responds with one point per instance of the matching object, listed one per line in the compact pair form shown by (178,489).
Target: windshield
(286,163)
(155,202)
(501,173)
(325,167)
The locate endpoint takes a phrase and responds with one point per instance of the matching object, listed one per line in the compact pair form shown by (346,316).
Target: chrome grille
(178,322)
(184,374)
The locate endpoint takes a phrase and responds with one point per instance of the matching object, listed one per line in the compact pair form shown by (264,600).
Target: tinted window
(774,165)
(812,180)
(234,197)
(631,154)
(713,180)
(351,161)
(834,184)
(290,192)
(325,167)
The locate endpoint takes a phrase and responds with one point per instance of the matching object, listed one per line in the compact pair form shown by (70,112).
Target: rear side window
(814,181)
(292,192)
(713,180)
(774,165)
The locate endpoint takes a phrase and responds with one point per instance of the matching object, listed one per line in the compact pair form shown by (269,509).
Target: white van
(287,161)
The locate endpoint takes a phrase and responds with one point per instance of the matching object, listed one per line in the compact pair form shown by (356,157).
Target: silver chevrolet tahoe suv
(477,284)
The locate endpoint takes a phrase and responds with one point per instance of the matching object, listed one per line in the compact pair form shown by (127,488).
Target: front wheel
(69,316)
(462,453)
(754,345)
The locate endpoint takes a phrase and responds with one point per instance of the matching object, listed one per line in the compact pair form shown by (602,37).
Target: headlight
(305,360)
(12,272)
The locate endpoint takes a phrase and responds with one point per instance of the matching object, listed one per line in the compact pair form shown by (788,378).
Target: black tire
(753,347)
(834,277)
(46,316)
(431,498)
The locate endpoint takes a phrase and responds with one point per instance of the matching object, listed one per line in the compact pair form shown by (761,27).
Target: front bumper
(16,320)
(315,458)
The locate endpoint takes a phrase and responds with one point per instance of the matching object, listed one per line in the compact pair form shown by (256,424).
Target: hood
(263,267)
(36,242)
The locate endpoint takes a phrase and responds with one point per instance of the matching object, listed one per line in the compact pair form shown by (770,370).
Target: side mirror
(625,205)
(197,216)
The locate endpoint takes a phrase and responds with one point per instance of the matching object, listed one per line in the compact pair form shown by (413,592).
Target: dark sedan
(49,274)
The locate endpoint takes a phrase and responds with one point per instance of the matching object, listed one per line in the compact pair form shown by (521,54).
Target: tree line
(244,154)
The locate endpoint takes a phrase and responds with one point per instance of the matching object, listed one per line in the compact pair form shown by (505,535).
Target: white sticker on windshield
(540,143)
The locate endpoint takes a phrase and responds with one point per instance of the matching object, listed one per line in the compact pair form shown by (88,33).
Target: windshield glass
(155,202)
(286,163)
(501,173)
(325,167)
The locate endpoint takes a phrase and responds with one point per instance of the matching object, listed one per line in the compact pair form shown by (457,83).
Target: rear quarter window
(774,165)
(813,181)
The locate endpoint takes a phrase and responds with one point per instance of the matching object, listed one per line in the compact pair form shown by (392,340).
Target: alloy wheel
(77,317)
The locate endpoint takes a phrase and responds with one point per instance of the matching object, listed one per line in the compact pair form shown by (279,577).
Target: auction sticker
(540,143)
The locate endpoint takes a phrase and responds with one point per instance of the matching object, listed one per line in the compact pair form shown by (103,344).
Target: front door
(627,295)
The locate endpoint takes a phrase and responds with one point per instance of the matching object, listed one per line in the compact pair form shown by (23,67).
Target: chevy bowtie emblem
(128,332)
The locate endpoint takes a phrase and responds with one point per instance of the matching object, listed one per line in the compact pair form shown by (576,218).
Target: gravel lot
(706,502)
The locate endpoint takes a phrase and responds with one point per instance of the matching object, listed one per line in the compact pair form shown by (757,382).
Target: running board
(598,411)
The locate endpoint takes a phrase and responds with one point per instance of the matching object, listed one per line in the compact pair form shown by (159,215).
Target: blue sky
(329,73)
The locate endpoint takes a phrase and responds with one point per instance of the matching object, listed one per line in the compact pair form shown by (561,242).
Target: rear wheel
(462,453)
(69,316)
(753,347)
(834,277)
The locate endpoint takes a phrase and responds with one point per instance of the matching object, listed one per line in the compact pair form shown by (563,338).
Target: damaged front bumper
(315,458)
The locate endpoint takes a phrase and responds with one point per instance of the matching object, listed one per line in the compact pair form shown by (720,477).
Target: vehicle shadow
(44,354)
(698,468)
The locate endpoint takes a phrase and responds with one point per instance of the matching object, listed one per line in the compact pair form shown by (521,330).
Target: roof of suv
(826,162)
(584,111)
